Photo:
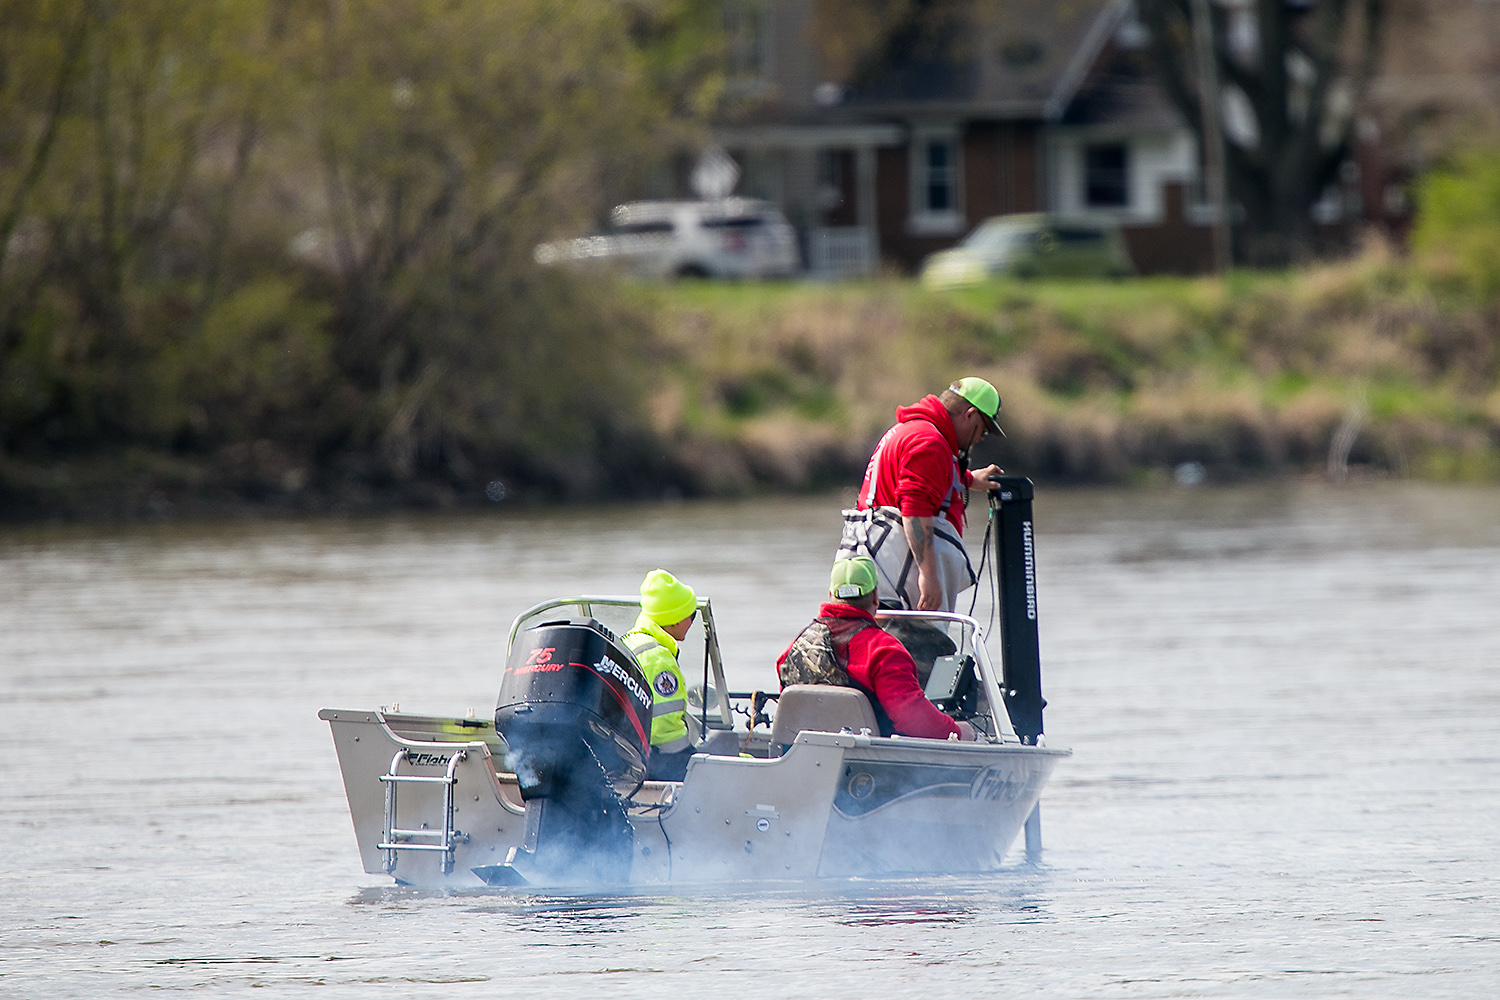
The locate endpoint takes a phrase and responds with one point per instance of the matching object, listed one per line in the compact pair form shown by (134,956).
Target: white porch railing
(842,252)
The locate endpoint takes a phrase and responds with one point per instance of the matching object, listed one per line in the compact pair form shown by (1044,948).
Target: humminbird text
(1030,571)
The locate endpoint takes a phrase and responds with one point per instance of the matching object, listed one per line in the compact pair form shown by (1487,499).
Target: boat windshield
(616,614)
(698,654)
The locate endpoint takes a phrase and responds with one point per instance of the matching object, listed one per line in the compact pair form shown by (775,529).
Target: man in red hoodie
(910,518)
(844,646)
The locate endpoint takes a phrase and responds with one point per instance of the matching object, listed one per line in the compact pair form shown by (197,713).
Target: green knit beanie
(665,599)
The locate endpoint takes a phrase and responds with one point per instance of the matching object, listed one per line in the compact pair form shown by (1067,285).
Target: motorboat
(791,784)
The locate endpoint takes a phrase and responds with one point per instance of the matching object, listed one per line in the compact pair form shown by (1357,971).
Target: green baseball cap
(983,397)
(852,577)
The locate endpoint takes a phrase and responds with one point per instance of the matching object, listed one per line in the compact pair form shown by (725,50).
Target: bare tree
(27,25)
(273,237)
(1293,74)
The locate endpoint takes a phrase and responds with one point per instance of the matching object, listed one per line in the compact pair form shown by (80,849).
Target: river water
(1284,702)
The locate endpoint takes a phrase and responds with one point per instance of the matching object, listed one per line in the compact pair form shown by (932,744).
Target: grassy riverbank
(1368,365)
(1360,365)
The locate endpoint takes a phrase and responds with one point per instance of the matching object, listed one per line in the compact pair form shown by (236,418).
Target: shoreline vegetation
(258,256)
(1361,366)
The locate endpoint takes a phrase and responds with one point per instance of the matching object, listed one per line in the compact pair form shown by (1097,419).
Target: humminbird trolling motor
(575,713)
(1015,584)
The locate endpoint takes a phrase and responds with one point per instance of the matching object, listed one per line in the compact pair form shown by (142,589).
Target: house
(1006,106)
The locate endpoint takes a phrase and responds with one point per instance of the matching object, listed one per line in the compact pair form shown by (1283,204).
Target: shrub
(1457,238)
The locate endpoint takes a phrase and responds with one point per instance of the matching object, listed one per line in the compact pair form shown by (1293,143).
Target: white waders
(877,532)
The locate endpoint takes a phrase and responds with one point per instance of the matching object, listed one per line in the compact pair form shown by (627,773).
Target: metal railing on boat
(395,839)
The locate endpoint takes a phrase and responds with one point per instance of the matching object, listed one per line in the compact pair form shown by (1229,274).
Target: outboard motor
(575,713)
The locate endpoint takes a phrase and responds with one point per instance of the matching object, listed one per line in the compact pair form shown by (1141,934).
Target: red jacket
(879,663)
(917,462)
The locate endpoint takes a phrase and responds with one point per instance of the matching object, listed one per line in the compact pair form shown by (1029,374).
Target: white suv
(729,238)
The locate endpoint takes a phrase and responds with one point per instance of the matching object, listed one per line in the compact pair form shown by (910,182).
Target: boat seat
(822,708)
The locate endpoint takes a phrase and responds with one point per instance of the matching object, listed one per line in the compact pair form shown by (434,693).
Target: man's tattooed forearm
(919,537)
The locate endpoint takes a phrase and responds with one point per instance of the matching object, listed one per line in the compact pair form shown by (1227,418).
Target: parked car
(728,238)
(1030,246)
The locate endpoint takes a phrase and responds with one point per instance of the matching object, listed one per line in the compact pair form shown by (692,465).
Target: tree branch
(1167,48)
(67,71)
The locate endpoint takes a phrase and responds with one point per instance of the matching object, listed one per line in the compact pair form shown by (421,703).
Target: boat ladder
(395,840)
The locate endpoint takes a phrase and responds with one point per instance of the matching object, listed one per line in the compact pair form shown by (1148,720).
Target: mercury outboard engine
(575,713)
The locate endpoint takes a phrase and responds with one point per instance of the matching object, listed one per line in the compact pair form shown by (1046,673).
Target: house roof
(1000,59)
(1121,92)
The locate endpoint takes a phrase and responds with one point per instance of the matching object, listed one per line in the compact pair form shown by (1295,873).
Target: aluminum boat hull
(833,805)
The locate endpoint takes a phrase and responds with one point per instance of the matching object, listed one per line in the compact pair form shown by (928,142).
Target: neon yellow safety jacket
(656,652)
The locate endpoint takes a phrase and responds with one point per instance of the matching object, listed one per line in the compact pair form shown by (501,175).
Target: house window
(1106,176)
(936,183)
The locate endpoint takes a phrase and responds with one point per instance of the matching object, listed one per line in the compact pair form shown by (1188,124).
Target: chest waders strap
(868,528)
(954,490)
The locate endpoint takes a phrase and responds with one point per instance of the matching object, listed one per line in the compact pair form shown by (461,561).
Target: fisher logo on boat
(994,784)
(861,785)
(1030,570)
(665,684)
(426,759)
(619,673)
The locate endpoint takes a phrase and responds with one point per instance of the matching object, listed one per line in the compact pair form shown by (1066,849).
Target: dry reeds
(1350,365)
